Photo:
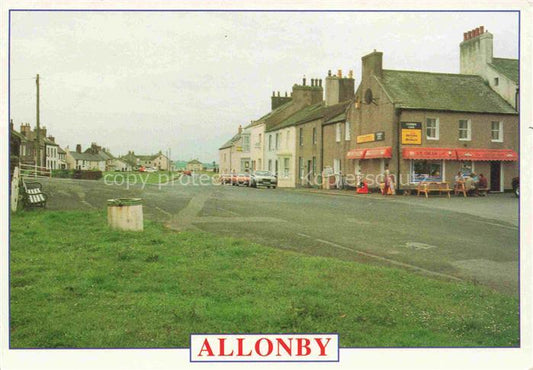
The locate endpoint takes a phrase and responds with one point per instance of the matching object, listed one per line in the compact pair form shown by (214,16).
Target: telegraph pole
(38,145)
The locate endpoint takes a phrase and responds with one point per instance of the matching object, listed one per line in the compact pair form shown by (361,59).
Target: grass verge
(76,284)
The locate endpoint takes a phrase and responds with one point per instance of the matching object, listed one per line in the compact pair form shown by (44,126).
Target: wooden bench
(33,194)
(427,187)
(459,188)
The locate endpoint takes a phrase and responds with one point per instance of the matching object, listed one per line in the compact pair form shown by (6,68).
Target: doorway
(308,174)
(495,176)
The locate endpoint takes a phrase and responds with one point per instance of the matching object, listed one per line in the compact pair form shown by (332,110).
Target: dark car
(516,186)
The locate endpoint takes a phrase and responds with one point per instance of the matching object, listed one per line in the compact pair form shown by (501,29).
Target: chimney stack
(78,148)
(303,81)
(329,72)
(52,139)
(339,73)
(350,74)
(240,129)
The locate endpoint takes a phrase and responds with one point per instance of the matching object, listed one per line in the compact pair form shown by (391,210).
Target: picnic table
(433,186)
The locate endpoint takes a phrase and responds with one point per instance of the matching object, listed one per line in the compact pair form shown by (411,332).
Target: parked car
(142,169)
(150,169)
(516,186)
(242,179)
(264,178)
(187,173)
(228,178)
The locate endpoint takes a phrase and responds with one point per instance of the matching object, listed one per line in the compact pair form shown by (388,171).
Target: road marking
(388,260)
(495,224)
(227,210)
(163,211)
(208,219)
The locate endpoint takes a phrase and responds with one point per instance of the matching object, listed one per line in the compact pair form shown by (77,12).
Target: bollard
(125,214)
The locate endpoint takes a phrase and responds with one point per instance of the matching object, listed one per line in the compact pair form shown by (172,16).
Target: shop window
(432,129)
(497,131)
(465,130)
(467,167)
(425,170)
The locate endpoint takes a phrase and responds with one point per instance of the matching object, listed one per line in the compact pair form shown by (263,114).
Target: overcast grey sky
(149,81)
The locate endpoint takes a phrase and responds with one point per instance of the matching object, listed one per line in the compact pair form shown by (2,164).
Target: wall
(224,158)
(308,150)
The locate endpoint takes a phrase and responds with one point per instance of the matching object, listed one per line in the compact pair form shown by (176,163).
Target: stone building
(195,165)
(422,125)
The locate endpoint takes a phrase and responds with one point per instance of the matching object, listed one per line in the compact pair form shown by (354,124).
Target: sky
(185,81)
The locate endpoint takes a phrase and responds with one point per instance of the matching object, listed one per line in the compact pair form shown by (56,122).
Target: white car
(150,169)
(264,178)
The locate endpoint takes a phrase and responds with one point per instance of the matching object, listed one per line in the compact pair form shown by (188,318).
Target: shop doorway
(495,176)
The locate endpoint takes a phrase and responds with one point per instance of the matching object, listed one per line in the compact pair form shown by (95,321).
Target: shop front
(443,164)
(370,163)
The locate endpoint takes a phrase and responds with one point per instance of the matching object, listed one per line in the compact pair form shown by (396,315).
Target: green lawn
(160,177)
(75,283)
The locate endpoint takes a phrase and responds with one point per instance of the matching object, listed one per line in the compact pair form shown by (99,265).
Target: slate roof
(230,142)
(19,135)
(106,155)
(61,151)
(442,91)
(87,156)
(298,116)
(507,67)
(150,157)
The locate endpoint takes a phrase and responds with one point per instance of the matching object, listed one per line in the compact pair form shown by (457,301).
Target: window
(270,164)
(347,136)
(426,170)
(301,136)
(467,167)
(286,167)
(314,135)
(277,140)
(432,129)
(287,139)
(259,165)
(246,143)
(270,142)
(338,132)
(300,167)
(314,165)
(465,129)
(497,131)
(496,81)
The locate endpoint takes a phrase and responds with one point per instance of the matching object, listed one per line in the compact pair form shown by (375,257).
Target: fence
(34,171)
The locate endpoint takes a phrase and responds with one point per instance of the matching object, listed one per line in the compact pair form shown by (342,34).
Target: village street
(473,239)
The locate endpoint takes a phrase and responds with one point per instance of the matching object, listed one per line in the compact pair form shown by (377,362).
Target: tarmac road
(472,239)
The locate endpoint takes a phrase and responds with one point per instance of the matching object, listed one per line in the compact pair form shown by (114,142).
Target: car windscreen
(263,173)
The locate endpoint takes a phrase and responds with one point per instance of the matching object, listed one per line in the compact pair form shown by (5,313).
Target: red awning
(383,152)
(356,154)
(487,155)
(429,153)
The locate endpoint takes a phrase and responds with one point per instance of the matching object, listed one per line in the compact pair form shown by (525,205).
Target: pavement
(473,239)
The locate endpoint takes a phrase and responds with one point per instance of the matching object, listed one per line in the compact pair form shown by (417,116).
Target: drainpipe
(322,154)
(398,141)
(516,99)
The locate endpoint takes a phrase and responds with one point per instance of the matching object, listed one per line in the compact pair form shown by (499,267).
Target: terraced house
(422,125)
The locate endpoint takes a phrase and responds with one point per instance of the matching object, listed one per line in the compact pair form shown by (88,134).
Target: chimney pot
(329,72)
(78,148)
(465,36)
(273,93)
(320,82)
(339,73)
(482,29)
(303,81)
(350,74)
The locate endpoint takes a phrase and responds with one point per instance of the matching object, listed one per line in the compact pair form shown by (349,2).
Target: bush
(63,173)
(87,175)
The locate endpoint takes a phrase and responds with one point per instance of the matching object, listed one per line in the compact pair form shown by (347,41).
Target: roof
(19,135)
(61,151)
(150,157)
(106,155)
(47,141)
(231,141)
(180,164)
(442,91)
(87,156)
(270,114)
(194,161)
(338,118)
(298,116)
(507,67)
